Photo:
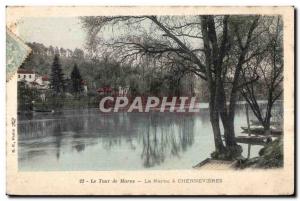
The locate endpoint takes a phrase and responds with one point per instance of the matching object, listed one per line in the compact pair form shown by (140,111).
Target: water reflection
(90,140)
(156,136)
(166,137)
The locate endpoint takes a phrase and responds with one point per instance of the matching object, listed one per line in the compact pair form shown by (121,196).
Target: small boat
(254,140)
(272,123)
(260,130)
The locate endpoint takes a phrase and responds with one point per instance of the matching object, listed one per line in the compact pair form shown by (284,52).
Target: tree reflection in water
(88,139)
(156,135)
(166,136)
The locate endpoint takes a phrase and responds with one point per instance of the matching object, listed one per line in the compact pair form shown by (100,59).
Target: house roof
(25,71)
(45,78)
(104,89)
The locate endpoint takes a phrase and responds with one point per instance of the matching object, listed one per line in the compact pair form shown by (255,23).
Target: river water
(82,140)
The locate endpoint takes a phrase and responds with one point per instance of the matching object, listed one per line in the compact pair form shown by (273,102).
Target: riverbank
(271,156)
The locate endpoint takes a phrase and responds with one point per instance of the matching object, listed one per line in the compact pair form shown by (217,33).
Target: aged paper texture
(150,100)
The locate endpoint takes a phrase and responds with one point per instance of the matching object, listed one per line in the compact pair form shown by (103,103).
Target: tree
(224,53)
(76,80)
(27,96)
(269,68)
(24,97)
(57,83)
(215,48)
(78,54)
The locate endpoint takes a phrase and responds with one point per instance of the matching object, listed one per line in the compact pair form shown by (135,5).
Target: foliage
(26,96)
(57,83)
(143,78)
(76,80)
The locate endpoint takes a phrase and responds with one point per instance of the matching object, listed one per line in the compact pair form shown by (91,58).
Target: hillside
(95,72)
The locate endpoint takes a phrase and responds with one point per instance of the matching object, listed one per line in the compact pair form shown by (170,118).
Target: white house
(32,79)
(26,75)
(41,82)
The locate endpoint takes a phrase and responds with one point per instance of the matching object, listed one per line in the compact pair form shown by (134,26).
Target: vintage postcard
(150,100)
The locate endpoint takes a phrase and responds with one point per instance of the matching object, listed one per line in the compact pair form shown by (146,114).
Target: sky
(67,32)
(61,32)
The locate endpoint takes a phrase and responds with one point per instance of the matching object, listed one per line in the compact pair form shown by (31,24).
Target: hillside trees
(57,82)
(76,79)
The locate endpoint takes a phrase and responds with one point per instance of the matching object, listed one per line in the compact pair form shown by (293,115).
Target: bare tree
(215,48)
(269,68)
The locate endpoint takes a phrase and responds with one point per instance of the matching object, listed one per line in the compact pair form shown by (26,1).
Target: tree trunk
(229,133)
(214,119)
(227,119)
(267,120)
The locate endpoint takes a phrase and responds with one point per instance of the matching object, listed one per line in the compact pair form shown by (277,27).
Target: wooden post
(248,124)
(247,116)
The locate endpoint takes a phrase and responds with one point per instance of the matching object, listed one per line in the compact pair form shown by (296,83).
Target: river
(82,140)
